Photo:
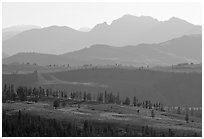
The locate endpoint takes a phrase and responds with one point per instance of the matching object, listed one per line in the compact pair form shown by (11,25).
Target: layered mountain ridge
(127,30)
(178,50)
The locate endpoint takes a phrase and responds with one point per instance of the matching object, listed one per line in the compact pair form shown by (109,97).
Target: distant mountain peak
(177,20)
(127,30)
(55,27)
(129,16)
(131,19)
(174,18)
(12,31)
(101,26)
(20,28)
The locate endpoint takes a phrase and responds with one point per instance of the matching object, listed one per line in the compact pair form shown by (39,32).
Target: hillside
(185,49)
(120,120)
(170,88)
(127,30)
(178,50)
(4,55)
(40,59)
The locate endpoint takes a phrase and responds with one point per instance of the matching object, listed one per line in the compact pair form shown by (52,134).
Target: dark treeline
(24,93)
(25,125)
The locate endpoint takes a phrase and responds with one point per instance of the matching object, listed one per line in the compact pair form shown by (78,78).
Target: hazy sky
(78,15)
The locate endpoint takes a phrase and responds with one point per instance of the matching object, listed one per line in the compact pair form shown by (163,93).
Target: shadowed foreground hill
(170,88)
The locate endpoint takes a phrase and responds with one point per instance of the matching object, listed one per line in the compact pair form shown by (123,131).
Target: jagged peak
(100,26)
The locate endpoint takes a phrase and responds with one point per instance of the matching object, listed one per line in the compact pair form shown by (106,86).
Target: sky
(88,14)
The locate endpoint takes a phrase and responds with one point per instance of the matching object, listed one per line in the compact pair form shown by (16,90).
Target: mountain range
(127,30)
(178,50)
(10,32)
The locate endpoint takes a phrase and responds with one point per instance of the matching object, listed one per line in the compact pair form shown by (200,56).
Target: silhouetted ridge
(177,20)
(127,30)
(132,18)
(101,27)
(62,28)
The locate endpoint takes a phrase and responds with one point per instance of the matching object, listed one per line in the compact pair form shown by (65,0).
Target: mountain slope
(178,50)
(4,55)
(40,59)
(189,47)
(127,30)
(10,32)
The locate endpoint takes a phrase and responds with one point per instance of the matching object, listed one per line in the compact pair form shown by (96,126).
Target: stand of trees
(23,93)
(8,93)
